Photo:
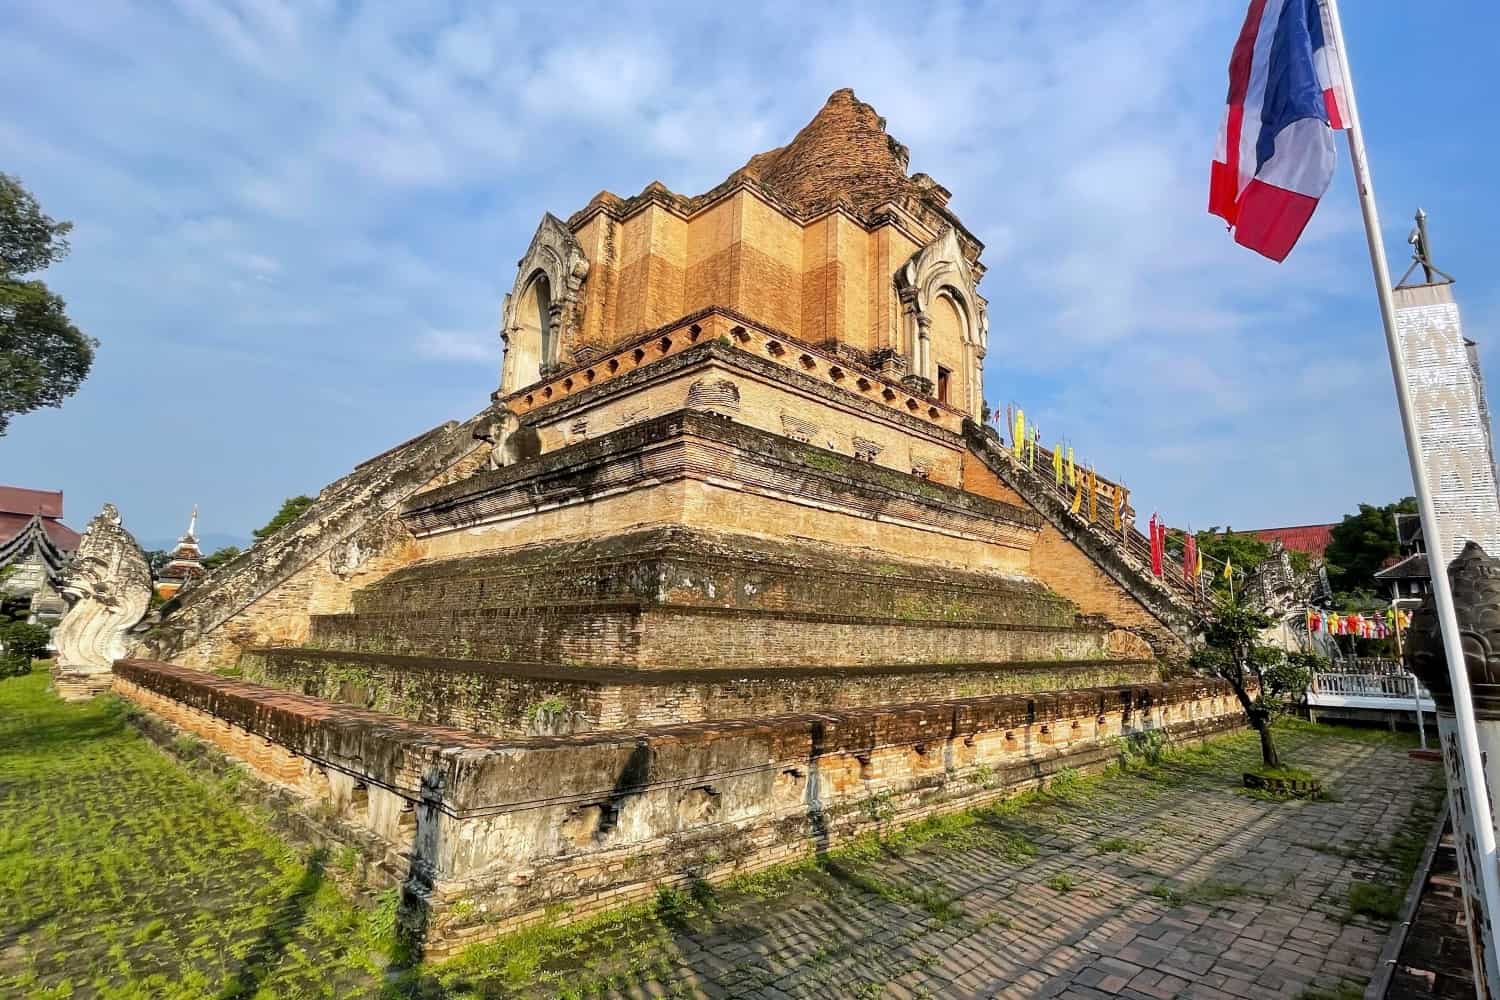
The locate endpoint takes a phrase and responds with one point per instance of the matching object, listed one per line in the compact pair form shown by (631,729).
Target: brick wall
(528,700)
(516,827)
(1065,568)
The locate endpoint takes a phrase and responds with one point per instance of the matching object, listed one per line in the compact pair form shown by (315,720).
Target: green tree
(1244,552)
(1361,543)
(1263,677)
(215,559)
(291,509)
(43,356)
(21,643)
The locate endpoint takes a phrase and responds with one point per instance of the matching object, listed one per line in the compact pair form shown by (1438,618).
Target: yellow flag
(1031,448)
(1072,469)
(1198,569)
(1077,498)
(1093,495)
(1228,570)
(1119,505)
(1057,464)
(1019,438)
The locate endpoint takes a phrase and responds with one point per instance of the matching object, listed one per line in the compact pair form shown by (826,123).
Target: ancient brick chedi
(729,558)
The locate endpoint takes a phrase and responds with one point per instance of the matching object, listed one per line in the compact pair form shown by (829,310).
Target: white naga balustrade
(1381,690)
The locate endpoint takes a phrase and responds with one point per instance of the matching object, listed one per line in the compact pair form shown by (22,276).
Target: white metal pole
(1463,703)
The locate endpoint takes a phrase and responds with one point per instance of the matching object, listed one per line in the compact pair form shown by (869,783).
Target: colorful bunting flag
(1156,547)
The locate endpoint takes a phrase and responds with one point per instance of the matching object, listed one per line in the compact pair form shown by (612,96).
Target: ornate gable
(543,313)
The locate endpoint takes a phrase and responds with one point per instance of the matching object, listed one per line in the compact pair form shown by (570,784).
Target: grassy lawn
(127,874)
(124,875)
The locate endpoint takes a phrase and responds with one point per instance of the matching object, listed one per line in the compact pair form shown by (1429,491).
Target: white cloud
(459,345)
(339,187)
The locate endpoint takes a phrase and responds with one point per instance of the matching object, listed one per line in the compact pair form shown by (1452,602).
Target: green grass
(1207,892)
(1375,899)
(124,876)
(1283,773)
(1062,882)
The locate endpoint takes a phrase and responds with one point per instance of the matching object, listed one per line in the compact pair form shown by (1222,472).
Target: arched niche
(543,312)
(531,346)
(945,323)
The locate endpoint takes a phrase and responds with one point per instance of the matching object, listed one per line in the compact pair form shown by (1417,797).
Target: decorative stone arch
(940,270)
(543,313)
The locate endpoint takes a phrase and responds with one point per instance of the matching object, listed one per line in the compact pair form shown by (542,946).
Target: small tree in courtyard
(1264,678)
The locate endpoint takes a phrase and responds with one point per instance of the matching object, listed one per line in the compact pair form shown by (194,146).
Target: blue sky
(296,220)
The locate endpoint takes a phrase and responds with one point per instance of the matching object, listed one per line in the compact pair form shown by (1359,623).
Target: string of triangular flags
(1374,625)
(1083,484)
(1068,475)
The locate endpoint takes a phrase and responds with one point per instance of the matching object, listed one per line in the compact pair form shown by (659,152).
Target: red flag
(1156,547)
(1189,556)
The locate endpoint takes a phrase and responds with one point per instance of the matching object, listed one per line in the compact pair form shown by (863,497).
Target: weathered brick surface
(700,568)
(523,824)
(528,699)
(799,239)
(1078,564)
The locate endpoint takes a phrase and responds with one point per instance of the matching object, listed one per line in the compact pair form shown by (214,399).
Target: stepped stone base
(507,699)
(520,829)
(691,598)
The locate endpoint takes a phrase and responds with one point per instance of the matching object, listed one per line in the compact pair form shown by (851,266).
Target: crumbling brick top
(843,158)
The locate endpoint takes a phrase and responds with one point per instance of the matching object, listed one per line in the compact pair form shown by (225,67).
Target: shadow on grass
(278,932)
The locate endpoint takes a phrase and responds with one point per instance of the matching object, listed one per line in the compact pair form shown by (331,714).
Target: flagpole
(1463,703)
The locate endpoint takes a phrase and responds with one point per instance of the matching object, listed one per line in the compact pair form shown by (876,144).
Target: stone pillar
(1476,598)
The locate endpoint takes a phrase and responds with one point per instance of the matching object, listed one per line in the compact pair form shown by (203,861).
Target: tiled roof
(64,537)
(1309,538)
(17,500)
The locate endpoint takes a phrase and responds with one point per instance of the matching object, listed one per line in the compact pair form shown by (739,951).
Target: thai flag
(1286,96)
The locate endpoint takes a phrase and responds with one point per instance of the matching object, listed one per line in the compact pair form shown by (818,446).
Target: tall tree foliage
(291,509)
(1362,542)
(43,356)
(219,557)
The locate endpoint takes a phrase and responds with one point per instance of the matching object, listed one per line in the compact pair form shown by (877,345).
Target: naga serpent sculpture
(108,588)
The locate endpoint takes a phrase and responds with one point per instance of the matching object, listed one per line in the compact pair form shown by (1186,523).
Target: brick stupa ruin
(729,558)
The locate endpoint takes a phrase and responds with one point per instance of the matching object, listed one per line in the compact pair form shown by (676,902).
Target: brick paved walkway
(1176,885)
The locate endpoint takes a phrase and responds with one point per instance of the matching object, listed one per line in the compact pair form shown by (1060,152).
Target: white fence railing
(1403,685)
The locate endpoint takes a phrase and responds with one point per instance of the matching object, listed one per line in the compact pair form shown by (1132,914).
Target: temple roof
(842,158)
(19,507)
(1309,538)
(17,500)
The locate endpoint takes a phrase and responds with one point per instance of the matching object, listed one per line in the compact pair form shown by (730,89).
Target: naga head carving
(1475,580)
(108,588)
